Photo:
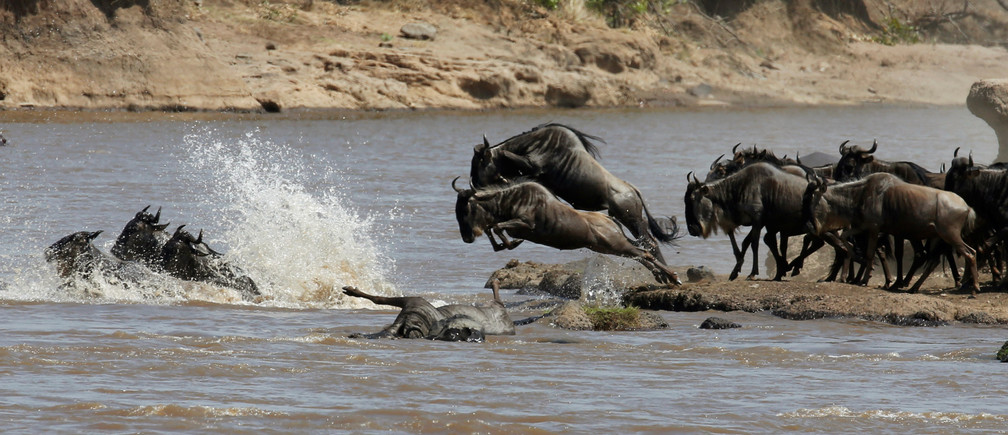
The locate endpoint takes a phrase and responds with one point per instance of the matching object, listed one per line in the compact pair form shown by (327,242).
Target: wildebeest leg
(755,251)
(401,302)
(810,244)
(953,237)
(661,272)
(842,254)
(771,241)
(627,208)
(929,266)
(505,243)
(740,254)
(869,257)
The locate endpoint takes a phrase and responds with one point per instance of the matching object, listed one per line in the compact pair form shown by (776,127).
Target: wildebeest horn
(956,152)
(145,209)
(712,165)
(179,229)
(93,235)
(695,179)
(457,190)
(874,147)
(157,216)
(942,169)
(843,146)
(971,158)
(734,148)
(199,239)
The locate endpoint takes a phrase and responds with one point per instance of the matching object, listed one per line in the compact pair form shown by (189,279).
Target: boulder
(575,316)
(421,31)
(697,274)
(988,100)
(599,278)
(718,323)
(1002,355)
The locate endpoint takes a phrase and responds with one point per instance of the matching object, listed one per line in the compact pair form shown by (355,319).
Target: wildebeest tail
(663,233)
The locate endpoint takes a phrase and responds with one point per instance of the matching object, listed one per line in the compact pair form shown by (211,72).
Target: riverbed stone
(988,100)
(418,30)
(697,274)
(718,323)
(1002,355)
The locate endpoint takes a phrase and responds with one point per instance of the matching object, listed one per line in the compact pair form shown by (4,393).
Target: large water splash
(300,245)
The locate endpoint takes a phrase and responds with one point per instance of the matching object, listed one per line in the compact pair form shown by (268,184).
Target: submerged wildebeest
(142,239)
(883,203)
(77,260)
(564,160)
(528,211)
(420,319)
(190,258)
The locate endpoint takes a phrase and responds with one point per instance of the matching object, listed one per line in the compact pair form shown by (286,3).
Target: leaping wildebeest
(78,261)
(529,211)
(883,203)
(565,161)
(420,319)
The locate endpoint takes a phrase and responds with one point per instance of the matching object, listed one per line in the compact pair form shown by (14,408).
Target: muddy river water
(308,203)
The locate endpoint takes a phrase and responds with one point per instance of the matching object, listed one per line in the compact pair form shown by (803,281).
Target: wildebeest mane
(584,138)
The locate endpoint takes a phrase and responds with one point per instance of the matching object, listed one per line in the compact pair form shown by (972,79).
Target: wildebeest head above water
(142,238)
(75,254)
(190,258)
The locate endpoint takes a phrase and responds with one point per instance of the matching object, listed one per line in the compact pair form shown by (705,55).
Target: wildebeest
(77,260)
(190,258)
(856,162)
(883,203)
(986,190)
(142,239)
(760,195)
(420,319)
(528,211)
(564,160)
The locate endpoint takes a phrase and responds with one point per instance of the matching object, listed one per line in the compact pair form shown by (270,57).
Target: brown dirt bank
(254,55)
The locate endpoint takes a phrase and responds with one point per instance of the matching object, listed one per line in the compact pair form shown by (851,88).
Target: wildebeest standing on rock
(564,160)
(142,239)
(190,258)
(883,203)
(529,211)
(420,319)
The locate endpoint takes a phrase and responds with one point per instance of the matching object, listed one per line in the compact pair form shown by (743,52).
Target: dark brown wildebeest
(420,319)
(856,162)
(142,238)
(883,203)
(564,160)
(529,211)
(78,261)
(760,195)
(986,190)
(190,258)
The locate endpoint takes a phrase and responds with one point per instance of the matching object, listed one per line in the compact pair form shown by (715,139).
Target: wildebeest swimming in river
(190,258)
(78,261)
(564,160)
(529,211)
(420,319)
(142,239)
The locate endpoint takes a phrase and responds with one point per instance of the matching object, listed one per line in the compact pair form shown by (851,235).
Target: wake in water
(300,245)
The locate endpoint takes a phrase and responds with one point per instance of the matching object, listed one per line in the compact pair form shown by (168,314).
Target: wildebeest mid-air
(528,211)
(564,160)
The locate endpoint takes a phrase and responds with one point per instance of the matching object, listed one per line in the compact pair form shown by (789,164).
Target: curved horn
(486,143)
(200,238)
(179,229)
(157,216)
(688,177)
(457,189)
(93,235)
(942,170)
(734,148)
(144,209)
(797,158)
(971,158)
(956,152)
(874,146)
(843,146)
(712,165)
(696,180)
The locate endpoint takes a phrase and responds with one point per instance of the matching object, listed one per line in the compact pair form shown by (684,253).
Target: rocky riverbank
(279,55)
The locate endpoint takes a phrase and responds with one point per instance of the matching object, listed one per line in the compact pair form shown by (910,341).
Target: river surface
(308,203)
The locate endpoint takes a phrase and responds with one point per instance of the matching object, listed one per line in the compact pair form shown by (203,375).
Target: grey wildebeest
(420,319)
(529,211)
(141,239)
(190,258)
(565,161)
(78,261)
(761,195)
(883,203)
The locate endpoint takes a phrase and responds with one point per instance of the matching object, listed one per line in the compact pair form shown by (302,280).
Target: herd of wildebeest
(548,187)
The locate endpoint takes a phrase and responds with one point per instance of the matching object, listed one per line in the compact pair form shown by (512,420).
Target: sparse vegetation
(614,318)
(899,32)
